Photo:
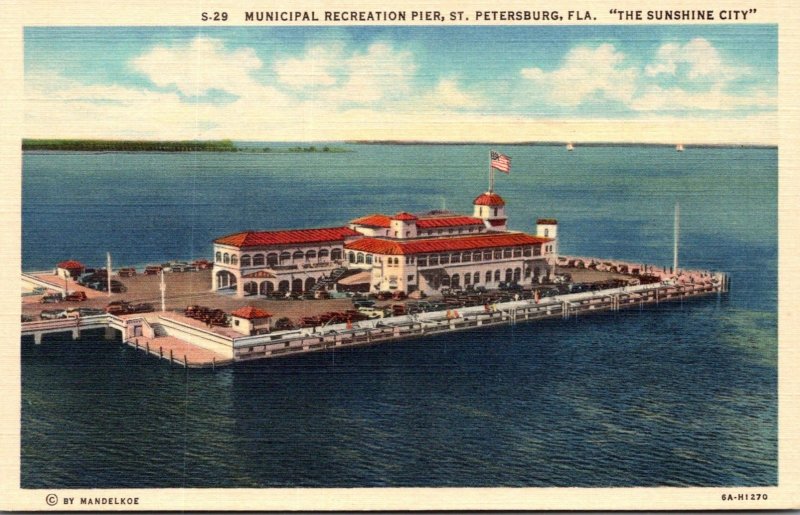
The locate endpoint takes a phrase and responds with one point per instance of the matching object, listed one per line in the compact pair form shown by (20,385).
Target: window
(258,260)
(298,254)
(476,277)
(369,259)
(234,259)
(434,260)
(467,278)
(323,254)
(488,276)
(495,211)
(218,257)
(226,258)
(246,260)
(336,254)
(547,233)
(537,250)
(527,272)
(527,252)
(311,254)
(423,261)
(351,257)
(498,254)
(285,256)
(471,229)
(410,279)
(508,275)
(395,234)
(497,275)
(450,230)
(466,257)
(487,255)
(272,258)
(444,259)
(477,256)
(359,258)
(517,252)
(455,258)
(517,275)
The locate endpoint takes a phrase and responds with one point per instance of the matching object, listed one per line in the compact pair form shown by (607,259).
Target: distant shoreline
(102,146)
(557,144)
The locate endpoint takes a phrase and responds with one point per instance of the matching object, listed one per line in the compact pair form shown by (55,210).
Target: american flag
(501,162)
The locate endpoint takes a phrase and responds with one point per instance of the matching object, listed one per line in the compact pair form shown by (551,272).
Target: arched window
(467,279)
(476,278)
(517,275)
(509,275)
(234,259)
(272,259)
(369,259)
(283,286)
(336,254)
(359,258)
(285,256)
(311,254)
(246,260)
(351,257)
(497,275)
(258,260)
(495,211)
(488,276)
(323,254)
(218,257)
(226,258)
(298,254)
(310,283)
(297,285)
(455,281)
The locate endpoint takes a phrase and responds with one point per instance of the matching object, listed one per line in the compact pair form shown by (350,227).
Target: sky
(656,84)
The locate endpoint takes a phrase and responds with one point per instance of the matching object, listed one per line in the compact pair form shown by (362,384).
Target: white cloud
(448,94)
(700,61)
(587,72)
(199,66)
(675,99)
(377,74)
(316,68)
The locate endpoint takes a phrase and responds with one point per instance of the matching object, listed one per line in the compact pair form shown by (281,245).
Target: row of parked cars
(54,314)
(51,298)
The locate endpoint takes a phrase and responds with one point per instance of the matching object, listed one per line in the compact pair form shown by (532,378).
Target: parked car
(372,312)
(126,272)
(89,312)
(76,296)
(53,314)
(51,298)
(152,270)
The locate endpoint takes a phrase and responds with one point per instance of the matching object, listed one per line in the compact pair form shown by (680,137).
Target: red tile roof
(70,265)
(375,220)
(379,220)
(422,246)
(404,216)
(489,199)
(250,313)
(288,237)
(448,221)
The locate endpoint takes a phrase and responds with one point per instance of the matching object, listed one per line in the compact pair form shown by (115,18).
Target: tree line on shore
(99,145)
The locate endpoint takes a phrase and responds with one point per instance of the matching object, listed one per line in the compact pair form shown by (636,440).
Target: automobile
(142,307)
(398,310)
(27,318)
(76,296)
(126,272)
(118,307)
(53,314)
(202,264)
(399,295)
(89,312)
(366,303)
(51,298)
(284,324)
(152,270)
(372,312)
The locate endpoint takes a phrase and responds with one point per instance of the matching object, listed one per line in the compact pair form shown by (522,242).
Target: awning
(359,278)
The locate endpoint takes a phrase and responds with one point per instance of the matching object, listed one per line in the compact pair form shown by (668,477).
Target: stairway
(325,282)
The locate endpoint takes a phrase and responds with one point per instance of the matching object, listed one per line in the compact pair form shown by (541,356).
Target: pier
(186,343)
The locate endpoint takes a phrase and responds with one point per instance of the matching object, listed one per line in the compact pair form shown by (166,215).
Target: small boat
(570,147)
(679,147)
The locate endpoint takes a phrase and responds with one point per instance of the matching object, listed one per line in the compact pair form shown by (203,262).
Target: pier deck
(179,352)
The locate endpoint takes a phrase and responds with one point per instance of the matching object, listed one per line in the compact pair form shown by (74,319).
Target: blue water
(682,394)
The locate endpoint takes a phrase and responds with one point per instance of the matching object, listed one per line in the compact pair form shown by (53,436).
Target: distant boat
(679,147)
(570,147)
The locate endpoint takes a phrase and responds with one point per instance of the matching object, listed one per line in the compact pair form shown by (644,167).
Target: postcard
(399,256)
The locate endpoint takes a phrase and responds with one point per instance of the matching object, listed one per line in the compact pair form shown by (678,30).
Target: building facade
(405,252)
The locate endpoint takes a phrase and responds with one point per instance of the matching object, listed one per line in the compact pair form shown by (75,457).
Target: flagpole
(491,174)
